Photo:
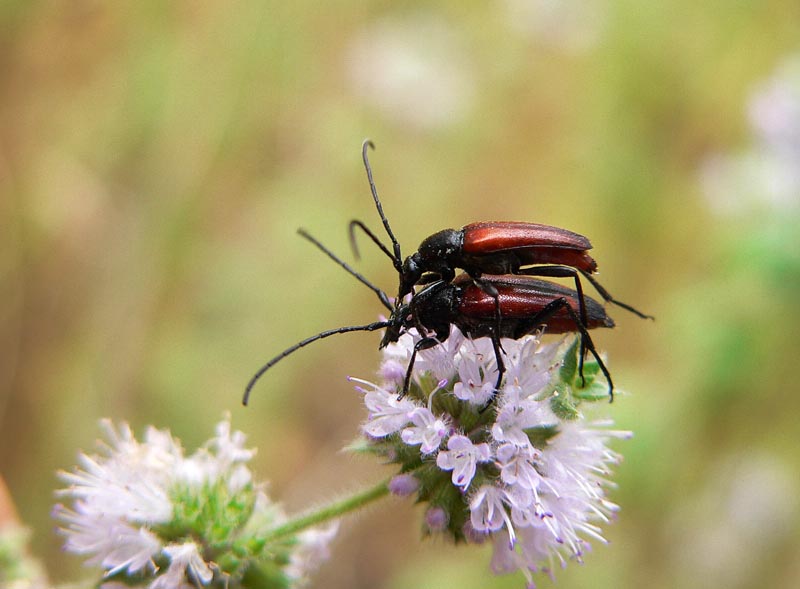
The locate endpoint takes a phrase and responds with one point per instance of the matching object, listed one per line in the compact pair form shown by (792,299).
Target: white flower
(387,413)
(427,431)
(186,568)
(488,512)
(518,465)
(462,457)
(128,481)
(515,415)
(138,505)
(537,479)
(476,380)
(223,458)
(110,543)
(439,360)
(530,366)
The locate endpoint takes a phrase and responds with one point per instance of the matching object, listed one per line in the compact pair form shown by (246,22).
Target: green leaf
(540,435)
(596,391)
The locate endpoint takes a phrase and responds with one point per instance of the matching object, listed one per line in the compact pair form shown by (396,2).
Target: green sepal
(564,406)
(363,446)
(540,435)
(265,576)
(597,390)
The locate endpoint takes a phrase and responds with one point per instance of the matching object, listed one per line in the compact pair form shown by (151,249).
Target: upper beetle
(492,247)
(495,247)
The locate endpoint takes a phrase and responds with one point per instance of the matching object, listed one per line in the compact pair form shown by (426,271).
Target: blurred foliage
(157,158)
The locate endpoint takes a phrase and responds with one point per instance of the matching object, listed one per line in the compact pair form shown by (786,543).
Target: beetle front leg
(424,344)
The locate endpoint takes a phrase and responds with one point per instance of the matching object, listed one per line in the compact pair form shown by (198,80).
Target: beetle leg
(608,298)
(561,272)
(423,344)
(501,370)
(490,289)
(551,309)
(556,271)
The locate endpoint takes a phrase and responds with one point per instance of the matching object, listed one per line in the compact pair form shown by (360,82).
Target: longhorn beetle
(492,247)
(525,303)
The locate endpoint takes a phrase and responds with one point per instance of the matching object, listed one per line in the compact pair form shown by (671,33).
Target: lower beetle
(526,304)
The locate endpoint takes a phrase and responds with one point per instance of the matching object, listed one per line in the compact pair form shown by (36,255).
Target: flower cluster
(149,515)
(520,466)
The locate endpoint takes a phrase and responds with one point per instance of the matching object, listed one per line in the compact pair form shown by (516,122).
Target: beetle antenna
(305,342)
(355,223)
(395,244)
(382,296)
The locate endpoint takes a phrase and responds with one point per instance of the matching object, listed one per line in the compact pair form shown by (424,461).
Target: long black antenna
(384,298)
(305,342)
(355,223)
(398,259)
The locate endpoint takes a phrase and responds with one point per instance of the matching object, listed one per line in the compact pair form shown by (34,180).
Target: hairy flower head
(148,515)
(520,466)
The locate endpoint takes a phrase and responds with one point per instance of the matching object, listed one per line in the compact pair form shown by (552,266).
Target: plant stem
(329,512)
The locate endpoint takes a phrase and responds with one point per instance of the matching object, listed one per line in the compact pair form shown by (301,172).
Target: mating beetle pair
(495,247)
(495,298)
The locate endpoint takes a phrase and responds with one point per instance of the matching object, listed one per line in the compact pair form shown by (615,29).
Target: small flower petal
(387,413)
(462,457)
(427,431)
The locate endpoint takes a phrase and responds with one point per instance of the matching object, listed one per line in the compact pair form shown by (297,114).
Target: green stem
(329,512)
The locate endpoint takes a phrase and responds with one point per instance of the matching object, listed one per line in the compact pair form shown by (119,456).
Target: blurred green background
(156,160)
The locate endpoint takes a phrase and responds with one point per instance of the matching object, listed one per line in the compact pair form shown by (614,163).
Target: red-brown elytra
(491,247)
(526,304)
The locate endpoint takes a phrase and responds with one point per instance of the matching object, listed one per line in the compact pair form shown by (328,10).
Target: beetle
(526,305)
(491,247)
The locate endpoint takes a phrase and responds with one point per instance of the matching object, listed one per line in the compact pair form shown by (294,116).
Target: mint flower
(148,515)
(528,472)
(462,457)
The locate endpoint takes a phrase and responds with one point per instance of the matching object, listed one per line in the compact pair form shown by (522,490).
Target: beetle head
(410,275)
